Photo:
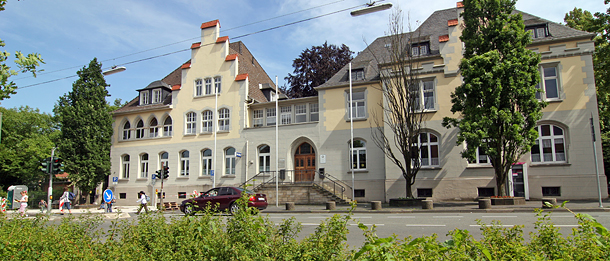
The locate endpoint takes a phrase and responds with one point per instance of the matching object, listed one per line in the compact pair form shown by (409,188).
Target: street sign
(115,179)
(238,154)
(108,196)
(212,173)
(154,176)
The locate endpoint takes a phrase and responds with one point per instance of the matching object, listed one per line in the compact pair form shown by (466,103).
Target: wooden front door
(304,163)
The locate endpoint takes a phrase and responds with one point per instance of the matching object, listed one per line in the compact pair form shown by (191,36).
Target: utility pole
(50,195)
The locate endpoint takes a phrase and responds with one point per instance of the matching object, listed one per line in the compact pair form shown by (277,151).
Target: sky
(152,38)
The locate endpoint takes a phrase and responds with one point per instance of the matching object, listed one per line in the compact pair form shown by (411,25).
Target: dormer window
(538,31)
(418,49)
(144,100)
(357,74)
(157,96)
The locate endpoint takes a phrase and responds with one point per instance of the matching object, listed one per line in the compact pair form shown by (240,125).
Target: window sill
(427,111)
(206,133)
(182,177)
(430,168)
(558,164)
(123,179)
(479,166)
(232,176)
(146,138)
(205,96)
(222,131)
(358,171)
(141,179)
(190,134)
(357,119)
(204,177)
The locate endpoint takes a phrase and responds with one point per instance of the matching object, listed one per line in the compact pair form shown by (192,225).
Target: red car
(225,197)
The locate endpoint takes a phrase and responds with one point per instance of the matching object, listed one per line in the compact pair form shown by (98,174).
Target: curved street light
(371,8)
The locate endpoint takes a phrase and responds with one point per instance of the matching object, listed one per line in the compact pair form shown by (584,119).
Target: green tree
(86,128)
(497,101)
(27,137)
(25,63)
(117,104)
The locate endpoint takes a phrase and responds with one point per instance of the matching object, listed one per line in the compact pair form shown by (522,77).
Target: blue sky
(70,33)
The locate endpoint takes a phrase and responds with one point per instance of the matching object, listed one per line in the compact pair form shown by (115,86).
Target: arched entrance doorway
(304,163)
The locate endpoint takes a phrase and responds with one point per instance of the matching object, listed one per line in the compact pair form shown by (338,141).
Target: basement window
(359,193)
(486,192)
(551,191)
(424,192)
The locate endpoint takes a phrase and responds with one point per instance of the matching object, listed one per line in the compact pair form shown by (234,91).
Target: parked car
(221,199)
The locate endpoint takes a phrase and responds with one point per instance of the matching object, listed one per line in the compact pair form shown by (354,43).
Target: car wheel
(188,210)
(233,208)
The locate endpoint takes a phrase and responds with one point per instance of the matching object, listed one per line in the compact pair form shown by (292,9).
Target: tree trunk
(409,191)
(500,183)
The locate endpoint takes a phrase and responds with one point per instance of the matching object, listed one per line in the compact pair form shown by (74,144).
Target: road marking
(492,226)
(499,216)
(565,225)
(319,217)
(368,225)
(310,224)
(362,217)
(424,225)
(401,217)
(447,216)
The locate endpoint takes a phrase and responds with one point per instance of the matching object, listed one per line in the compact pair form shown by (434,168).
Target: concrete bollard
(375,205)
(484,203)
(331,205)
(289,205)
(427,204)
(552,201)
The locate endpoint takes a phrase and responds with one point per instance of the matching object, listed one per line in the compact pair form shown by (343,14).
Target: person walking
(109,204)
(142,202)
(24,203)
(42,205)
(64,201)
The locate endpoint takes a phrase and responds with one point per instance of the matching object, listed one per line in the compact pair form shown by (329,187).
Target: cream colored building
(183,123)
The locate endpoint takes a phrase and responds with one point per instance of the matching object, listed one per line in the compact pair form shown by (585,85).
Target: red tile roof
(222,39)
(460,4)
(176,87)
(196,45)
(231,57)
(443,38)
(210,24)
(453,22)
(186,65)
(241,77)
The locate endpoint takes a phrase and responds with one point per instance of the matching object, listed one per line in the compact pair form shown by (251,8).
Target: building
(176,122)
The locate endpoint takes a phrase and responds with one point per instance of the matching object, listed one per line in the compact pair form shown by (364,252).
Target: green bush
(245,236)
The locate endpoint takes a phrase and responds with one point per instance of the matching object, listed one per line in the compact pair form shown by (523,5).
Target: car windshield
(247,191)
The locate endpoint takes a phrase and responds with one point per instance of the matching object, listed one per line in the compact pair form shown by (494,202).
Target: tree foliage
(314,67)
(25,63)
(497,101)
(86,128)
(27,137)
(397,130)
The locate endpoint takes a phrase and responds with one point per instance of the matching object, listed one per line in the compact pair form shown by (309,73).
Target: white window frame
(229,161)
(140,129)
(191,123)
(359,108)
(207,121)
(314,112)
(550,142)
(264,159)
(206,163)
(126,130)
(481,158)
(157,96)
(271,116)
(542,85)
(218,84)
(286,115)
(429,103)
(184,163)
(167,127)
(163,159)
(153,129)
(144,99)
(208,86)
(257,118)
(224,119)
(198,87)
(125,163)
(429,161)
(144,166)
(356,154)
(300,113)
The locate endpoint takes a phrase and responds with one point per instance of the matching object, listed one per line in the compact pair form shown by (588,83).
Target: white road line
(319,217)
(447,216)
(491,225)
(401,217)
(499,216)
(424,225)
(310,224)
(368,225)
(566,225)
(361,217)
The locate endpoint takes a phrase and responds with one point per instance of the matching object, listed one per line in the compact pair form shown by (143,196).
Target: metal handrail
(264,177)
(336,183)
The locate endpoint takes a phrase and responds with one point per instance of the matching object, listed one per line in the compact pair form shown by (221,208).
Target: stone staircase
(302,193)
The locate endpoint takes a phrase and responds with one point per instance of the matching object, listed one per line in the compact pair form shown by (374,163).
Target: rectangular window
(223,120)
(157,96)
(313,112)
(144,169)
(551,191)
(144,98)
(122,195)
(418,49)
(206,121)
(424,91)
(191,125)
(286,115)
(271,116)
(217,86)
(359,193)
(257,118)
(125,170)
(424,192)
(358,74)
(198,87)
(300,113)
(358,105)
(184,167)
(208,86)
(486,192)
(181,194)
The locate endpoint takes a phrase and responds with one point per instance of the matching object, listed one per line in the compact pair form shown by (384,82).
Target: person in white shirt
(24,203)
(142,202)
(64,201)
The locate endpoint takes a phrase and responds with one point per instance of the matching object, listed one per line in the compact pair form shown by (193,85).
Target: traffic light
(45,165)
(58,165)
(158,175)
(165,172)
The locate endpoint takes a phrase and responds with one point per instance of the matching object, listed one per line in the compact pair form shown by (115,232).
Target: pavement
(438,207)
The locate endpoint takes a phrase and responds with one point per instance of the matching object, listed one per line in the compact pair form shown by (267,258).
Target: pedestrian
(24,203)
(42,205)
(64,201)
(109,204)
(142,202)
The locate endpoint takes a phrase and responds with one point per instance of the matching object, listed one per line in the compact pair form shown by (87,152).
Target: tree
(27,137)
(396,132)
(314,67)
(86,128)
(25,63)
(117,104)
(496,101)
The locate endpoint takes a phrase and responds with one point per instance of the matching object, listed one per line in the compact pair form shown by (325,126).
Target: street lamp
(113,70)
(371,8)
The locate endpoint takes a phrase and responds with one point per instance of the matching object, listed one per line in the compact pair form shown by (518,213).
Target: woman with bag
(64,201)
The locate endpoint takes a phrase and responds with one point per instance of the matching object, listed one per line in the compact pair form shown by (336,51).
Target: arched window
(230,161)
(550,145)
(206,162)
(428,149)
(184,163)
(127,130)
(140,129)
(153,130)
(358,158)
(191,126)
(264,158)
(206,121)
(163,160)
(167,127)
(223,119)
(125,170)
(144,166)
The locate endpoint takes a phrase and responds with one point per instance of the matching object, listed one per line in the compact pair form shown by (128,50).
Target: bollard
(484,203)
(289,205)
(331,205)
(427,204)
(376,205)
(552,201)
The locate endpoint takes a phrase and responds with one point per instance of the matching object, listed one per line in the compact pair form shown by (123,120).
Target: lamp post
(113,70)
(371,8)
